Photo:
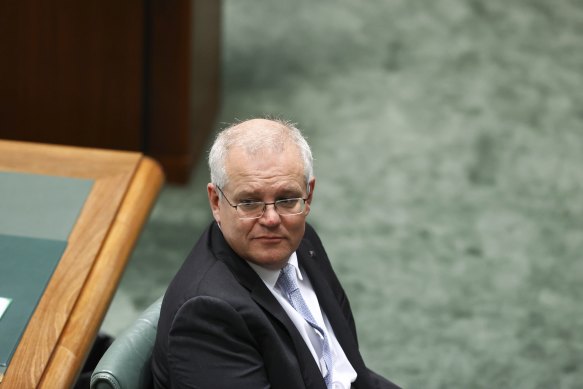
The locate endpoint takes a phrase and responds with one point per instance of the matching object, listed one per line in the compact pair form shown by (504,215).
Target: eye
(248,205)
(288,203)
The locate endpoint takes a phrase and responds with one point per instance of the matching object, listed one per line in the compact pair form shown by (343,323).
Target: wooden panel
(183,81)
(61,330)
(72,71)
(129,75)
(168,84)
(206,75)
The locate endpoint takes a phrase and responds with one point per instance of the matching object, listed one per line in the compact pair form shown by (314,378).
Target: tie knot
(287,279)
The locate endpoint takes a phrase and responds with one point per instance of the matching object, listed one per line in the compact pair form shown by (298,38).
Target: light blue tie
(289,286)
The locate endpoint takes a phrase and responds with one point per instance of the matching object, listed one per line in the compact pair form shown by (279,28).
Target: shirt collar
(270,276)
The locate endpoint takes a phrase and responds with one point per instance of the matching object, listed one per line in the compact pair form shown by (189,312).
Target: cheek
(227,219)
(296,229)
(296,223)
(237,230)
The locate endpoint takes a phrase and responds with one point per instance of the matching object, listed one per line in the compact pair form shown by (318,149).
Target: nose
(270,217)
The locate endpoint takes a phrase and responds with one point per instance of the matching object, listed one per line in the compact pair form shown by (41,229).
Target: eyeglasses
(255,209)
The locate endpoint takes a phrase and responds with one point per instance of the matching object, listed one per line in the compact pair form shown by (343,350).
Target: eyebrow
(284,192)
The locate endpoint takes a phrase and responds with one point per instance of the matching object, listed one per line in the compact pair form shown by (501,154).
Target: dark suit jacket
(220,326)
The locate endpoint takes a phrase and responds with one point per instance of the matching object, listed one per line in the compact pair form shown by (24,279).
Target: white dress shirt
(343,374)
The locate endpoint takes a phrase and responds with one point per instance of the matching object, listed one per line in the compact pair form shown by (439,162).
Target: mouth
(269,239)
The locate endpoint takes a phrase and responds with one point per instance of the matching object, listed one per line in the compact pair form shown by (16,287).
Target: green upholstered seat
(126,363)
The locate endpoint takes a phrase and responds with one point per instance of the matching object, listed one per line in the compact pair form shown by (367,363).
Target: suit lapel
(308,259)
(310,371)
(263,297)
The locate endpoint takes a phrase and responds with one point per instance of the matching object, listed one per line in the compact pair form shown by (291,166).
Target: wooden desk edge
(91,306)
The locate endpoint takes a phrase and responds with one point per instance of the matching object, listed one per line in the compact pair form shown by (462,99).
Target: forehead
(265,169)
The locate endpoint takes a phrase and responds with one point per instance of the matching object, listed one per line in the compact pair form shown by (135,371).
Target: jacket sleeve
(381,382)
(210,346)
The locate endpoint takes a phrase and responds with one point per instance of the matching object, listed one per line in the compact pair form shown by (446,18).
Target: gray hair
(273,137)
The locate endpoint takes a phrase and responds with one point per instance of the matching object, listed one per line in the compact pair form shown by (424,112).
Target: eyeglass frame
(265,204)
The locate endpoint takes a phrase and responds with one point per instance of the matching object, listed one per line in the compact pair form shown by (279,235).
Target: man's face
(269,240)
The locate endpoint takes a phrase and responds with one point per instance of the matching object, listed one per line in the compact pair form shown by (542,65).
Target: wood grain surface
(62,329)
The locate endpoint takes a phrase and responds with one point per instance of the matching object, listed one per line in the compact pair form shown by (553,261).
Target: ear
(311,185)
(214,200)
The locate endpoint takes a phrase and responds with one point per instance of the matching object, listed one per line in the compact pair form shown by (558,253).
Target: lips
(269,238)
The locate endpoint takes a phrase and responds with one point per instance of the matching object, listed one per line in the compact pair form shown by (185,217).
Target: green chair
(126,363)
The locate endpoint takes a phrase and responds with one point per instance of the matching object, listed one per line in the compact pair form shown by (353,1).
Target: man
(256,304)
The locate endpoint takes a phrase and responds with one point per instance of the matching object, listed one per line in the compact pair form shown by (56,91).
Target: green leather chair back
(126,363)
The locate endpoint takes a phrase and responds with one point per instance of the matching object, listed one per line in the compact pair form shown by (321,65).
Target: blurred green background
(448,144)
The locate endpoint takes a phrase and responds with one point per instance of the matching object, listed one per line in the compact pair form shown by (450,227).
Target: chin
(274,261)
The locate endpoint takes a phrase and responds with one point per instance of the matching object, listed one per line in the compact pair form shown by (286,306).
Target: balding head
(254,136)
